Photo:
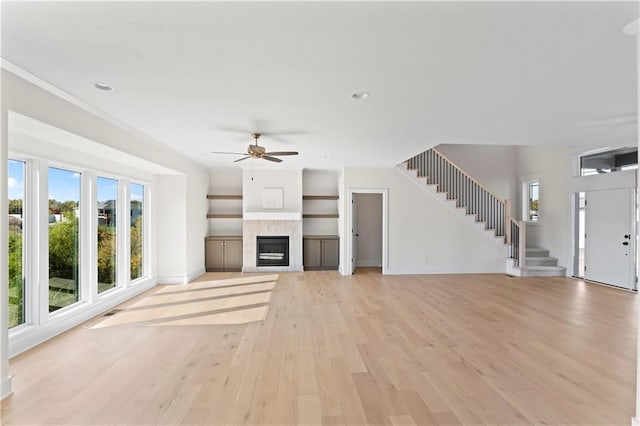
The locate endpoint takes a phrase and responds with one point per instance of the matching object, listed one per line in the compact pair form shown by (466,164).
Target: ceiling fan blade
(243,158)
(232,153)
(282,153)
(274,159)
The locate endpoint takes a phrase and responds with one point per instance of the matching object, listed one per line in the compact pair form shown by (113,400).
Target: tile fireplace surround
(271,224)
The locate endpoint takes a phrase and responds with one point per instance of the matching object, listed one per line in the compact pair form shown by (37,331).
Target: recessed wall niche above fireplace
(272,251)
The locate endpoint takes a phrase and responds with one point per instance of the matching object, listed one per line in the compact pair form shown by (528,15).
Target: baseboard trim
(5,388)
(426,270)
(195,274)
(30,336)
(181,279)
(369,263)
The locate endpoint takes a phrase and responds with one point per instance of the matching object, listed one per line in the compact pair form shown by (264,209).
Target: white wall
(369,223)
(552,167)
(34,147)
(424,237)
(493,166)
(197,226)
(172,214)
(254,181)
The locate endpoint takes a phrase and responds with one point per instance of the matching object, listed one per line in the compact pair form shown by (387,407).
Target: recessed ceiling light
(359,96)
(103,86)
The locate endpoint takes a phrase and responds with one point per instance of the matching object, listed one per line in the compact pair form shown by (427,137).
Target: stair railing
(518,244)
(467,192)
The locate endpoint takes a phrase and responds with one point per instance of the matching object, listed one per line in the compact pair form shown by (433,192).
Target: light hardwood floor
(318,348)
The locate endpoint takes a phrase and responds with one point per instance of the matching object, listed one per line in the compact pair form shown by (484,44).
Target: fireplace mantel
(272,216)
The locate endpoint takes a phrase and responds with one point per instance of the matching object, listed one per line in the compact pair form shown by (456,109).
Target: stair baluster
(466,191)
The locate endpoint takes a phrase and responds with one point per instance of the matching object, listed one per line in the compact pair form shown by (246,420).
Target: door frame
(385,224)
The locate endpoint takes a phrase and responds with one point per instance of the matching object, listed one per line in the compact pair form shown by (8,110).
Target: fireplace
(272,251)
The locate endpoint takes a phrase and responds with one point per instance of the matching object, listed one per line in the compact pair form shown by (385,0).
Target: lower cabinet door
(330,254)
(312,253)
(214,254)
(233,254)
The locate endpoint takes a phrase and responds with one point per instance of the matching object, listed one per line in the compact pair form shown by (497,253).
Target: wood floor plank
(317,348)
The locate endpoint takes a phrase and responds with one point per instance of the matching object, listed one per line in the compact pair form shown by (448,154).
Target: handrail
(465,190)
(465,173)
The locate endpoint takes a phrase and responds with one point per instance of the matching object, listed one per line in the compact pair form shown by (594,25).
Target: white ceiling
(200,76)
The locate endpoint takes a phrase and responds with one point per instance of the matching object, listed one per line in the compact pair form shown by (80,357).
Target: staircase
(536,263)
(482,210)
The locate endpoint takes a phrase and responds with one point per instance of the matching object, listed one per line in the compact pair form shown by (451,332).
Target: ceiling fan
(259,152)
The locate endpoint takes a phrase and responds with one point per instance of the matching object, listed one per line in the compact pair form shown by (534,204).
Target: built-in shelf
(224,197)
(320,215)
(320,197)
(225,216)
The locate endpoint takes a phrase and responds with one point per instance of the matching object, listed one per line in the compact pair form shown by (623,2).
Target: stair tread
(541,258)
(544,268)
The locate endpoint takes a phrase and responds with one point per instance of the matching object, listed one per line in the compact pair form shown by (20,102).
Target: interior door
(610,237)
(354,232)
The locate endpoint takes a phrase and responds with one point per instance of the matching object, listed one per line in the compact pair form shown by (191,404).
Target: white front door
(610,237)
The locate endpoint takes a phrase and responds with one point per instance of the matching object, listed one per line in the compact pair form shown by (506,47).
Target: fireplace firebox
(272,251)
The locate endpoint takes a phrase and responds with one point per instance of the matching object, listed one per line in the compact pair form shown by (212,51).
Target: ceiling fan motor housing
(255,150)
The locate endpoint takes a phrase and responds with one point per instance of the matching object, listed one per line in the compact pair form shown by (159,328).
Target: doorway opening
(369,226)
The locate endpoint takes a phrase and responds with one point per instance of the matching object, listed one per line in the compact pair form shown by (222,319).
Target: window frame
(26,235)
(84,255)
(146,247)
(526,200)
(36,241)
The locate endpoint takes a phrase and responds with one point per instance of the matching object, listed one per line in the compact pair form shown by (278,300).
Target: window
(16,191)
(107,202)
(137,231)
(617,160)
(531,200)
(64,238)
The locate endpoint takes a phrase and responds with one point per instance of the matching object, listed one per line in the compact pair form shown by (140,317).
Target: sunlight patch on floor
(188,296)
(212,302)
(239,316)
(199,285)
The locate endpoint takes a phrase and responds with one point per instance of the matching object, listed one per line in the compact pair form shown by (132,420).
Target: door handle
(626,243)
(627,236)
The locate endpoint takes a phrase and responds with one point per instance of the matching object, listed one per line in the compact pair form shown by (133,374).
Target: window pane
(137,233)
(64,203)
(107,190)
(617,160)
(533,201)
(16,235)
